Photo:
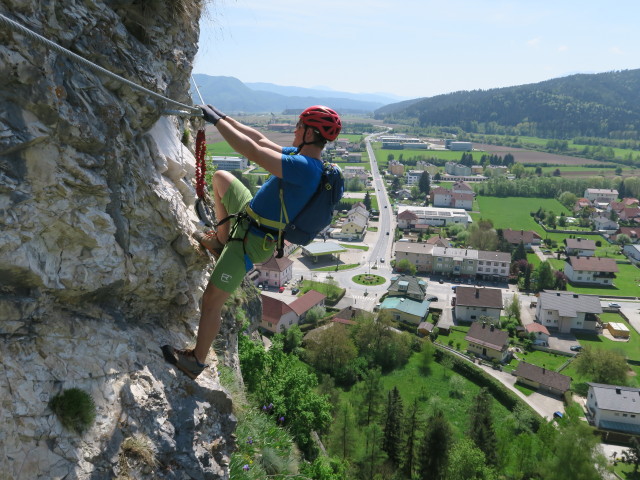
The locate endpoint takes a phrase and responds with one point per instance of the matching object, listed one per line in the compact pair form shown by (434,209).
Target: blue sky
(416,48)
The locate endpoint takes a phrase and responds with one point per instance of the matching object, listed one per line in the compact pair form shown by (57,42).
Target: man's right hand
(211,114)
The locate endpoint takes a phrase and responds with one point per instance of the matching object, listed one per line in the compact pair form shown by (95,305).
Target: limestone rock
(97,265)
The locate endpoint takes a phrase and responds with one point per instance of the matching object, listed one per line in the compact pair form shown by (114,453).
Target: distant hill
(231,95)
(590,105)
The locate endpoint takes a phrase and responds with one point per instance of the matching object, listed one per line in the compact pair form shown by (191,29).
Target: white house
(615,408)
(580,247)
(591,270)
(601,195)
(442,197)
(275,271)
(632,251)
(278,316)
(605,224)
(474,302)
(413,177)
(566,311)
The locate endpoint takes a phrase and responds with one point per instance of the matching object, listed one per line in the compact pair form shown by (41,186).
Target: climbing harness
(184,110)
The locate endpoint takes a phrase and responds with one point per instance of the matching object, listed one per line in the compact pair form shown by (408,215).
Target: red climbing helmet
(323,119)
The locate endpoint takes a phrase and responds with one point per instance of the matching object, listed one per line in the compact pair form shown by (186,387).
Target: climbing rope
(184,110)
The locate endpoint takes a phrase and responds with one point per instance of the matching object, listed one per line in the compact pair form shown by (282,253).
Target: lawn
(627,284)
(513,212)
(631,348)
(456,336)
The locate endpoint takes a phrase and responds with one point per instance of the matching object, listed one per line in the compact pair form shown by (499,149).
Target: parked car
(575,348)
(387,233)
(295,290)
(440,281)
(614,305)
(281,289)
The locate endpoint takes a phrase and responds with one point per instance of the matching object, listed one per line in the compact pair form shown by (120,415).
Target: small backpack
(318,212)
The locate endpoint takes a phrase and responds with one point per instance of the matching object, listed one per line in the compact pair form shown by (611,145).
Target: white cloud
(534,42)
(616,51)
(563,48)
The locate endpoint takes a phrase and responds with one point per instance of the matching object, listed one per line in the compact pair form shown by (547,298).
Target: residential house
(459,262)
(427,167)
(407,286)
(406,310)
(354,157)
(442,197)
(277,316)
(413,177)
(348,315)
(462,187)
(591,270)
(630,214)
(457,169)
(580,204)
(567,311)
(605,224)
(354,172)
(396,168)
(420,218)
(579,247)
(275,271)
(528,237)
(438,241)
(632,232)
(540,332)
(542,379)
(403,193)
(630,201)
(601,195)
(475,302)
(632,251)
(354,227)
(306,302)
(614,408)
(488,341)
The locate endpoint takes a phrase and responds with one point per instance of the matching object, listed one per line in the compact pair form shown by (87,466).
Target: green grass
(513,212)
(432,389)
(356,247)
(456,335)
(550,361)
(631,348)
(627,284)
(368,279)
(221,149)
(333,268)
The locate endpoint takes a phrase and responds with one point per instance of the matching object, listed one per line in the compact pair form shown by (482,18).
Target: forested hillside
(598,105)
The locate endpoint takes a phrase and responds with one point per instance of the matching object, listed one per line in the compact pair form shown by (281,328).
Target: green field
(627,284)
(432,389)
(513,212)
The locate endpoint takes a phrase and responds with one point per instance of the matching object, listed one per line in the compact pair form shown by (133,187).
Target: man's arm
(253,147)
(254,135)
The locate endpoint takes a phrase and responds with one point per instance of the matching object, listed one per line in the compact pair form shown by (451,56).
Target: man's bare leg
(221,181)
(210,318)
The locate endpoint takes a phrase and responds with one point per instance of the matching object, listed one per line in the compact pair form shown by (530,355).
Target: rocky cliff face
(97,267)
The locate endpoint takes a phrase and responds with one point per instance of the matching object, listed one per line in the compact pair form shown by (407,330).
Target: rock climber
(247,238)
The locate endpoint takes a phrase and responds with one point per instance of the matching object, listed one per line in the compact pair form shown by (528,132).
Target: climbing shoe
(209,240)
(184,360)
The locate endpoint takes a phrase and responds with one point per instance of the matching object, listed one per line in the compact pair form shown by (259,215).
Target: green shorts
(244,248)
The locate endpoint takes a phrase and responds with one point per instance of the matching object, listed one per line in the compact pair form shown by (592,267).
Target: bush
(75,409)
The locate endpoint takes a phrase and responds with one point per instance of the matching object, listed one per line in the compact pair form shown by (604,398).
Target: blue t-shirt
(300,178)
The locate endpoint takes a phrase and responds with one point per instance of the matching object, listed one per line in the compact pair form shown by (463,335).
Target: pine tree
(434,450)
(392,440)
(371,395)
(481,429)
(519,253)
(343,432)
(367,201)
(425,183)
(412,424)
